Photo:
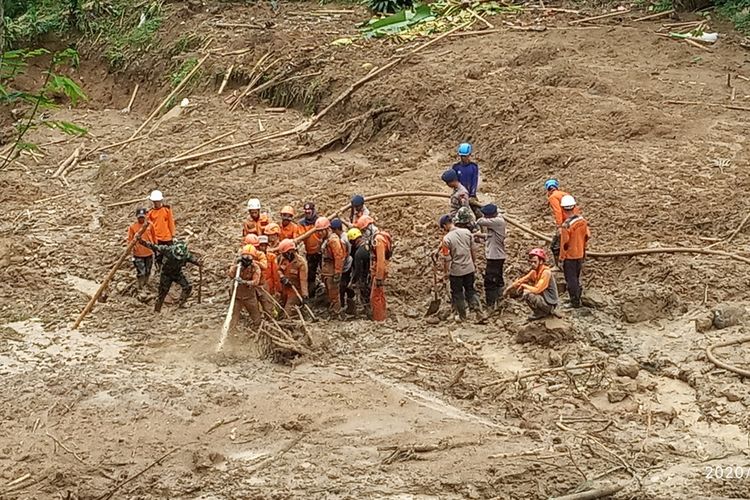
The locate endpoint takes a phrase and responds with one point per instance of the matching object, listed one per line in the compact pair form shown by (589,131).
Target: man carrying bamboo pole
(143,258)
(175,256)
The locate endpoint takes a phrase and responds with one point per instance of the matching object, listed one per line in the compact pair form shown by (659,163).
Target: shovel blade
(434,307)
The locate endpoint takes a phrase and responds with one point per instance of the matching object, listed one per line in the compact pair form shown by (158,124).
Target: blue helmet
(336,223)
(358,200)
(464,149)
(551,183)
(449,175)
(490,209)
(445,219)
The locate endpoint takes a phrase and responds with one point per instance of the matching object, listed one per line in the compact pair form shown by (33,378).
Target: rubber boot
(183,297)
(159,303)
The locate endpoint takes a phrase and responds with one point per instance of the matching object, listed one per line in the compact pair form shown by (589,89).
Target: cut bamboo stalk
(174,92)
(132,99)
(127,202)
(172,160)
(69,160)
(110,275)
(603,16)
(226,79)
(696,44)
(209,162)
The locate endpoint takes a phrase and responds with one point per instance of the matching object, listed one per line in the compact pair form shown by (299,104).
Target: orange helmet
(364,221)
(248,250)
(322,223)
(287,210)
(272,228)
(251,239)
(287,245)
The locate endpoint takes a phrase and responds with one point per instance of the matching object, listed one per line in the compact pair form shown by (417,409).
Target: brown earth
(83,411)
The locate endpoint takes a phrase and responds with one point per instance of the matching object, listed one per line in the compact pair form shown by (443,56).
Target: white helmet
(568,202)
(253,204)
(156,195)
(263,239)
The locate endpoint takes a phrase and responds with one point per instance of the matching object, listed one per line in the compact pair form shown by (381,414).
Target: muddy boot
(536,315)
(159,303)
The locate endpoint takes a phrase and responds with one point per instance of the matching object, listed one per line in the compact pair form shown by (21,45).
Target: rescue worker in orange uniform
(554,196)
(258,256)
(292,272)
(162,220)
(312,245)
(249,278)
(256,221)
(143,257)
(380,252)
(266,279)
(574,236)
(289,229)
(333,256)
(271,273)
(273,231)
(537,288)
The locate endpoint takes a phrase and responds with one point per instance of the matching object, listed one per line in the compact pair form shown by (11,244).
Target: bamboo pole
(110,275)
(603,16)
(230,311)
(174,92)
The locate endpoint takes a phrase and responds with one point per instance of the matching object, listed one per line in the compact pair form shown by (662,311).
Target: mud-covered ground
(134,405)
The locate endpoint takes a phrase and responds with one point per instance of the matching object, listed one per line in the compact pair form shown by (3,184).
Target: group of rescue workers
(278,263)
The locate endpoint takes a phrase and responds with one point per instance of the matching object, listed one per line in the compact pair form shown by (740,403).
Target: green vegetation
(738,11)
(125,28)
(388,6)
(55,87)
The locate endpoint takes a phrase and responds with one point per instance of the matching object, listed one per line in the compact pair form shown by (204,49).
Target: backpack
(388,247)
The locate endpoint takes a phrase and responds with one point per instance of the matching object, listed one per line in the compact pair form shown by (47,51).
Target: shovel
(434,306)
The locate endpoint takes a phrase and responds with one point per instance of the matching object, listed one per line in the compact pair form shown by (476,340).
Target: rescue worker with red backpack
(381,251)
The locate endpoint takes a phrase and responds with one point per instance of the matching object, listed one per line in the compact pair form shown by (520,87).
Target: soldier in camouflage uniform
(176,256)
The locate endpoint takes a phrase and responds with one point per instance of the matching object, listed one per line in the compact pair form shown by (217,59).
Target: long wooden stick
(603,16)
(132,99)
(306,125)
(721,364)
(176,158)
(739,228)
(69,160)
(256,73)
(174,92)
(133,477)
(513,222)
(114,145)
(230,311)
(209,162)
(110,275)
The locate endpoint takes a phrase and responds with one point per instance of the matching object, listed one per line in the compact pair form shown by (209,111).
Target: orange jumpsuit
(554,200)
(162,220)
(290,231)
(296,272)
(246,297)
(378,271)
(271,274)
(148,235)
(254,226)
(333,265)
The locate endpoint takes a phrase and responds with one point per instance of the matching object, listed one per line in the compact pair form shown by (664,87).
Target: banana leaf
(398,22)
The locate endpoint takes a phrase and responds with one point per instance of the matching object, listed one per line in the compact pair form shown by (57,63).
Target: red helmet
(538,252)
(286,245)
(322,223)
(364,221)
(252,239)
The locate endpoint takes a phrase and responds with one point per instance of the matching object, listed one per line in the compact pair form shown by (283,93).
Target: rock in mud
(625,366)
(647,302)
(595,299)
(616,395)
(546,332)
(727,315)
(704,324)
(734,392)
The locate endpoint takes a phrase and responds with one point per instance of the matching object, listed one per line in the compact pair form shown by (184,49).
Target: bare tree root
(721,364)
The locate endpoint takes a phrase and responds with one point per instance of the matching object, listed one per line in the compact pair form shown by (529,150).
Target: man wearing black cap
(143,258)
(494,251)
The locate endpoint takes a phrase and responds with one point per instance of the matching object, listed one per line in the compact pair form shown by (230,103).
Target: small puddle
(37,347)
(83,285)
